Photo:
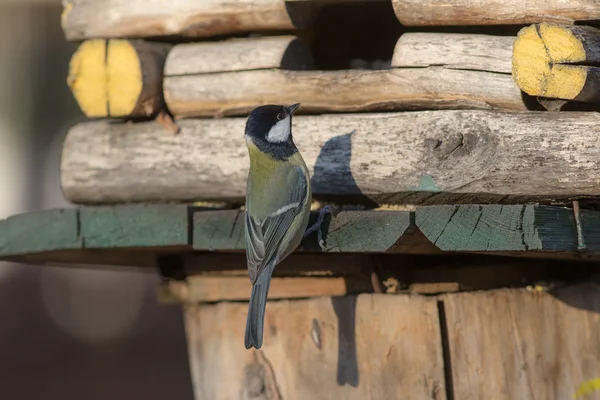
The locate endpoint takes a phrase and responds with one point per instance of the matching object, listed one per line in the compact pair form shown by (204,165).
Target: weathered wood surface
(198,289)
(516,228)
(558,61)
(234,94)
(493,12)
(419,157)
(348,347)
(454,50)
(85,19)
(118,78)
(351,231)
(543,346)
(286,52)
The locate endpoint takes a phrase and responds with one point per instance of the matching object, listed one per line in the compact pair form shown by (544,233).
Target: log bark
(454,50)
(86,19)
(522,345)
(234,94)
(494,12)
(427,157)
(285,52)
(558,61)
(343,348)
(118,78)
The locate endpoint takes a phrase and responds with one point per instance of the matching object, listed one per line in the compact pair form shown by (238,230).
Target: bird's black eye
(280,116)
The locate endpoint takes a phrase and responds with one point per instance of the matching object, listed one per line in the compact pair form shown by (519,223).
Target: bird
(278,202)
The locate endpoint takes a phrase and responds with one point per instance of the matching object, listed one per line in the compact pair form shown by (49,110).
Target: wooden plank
(398,158)
(40,231)
(494,12)
(321,348)
(84,19)
(515,228)
(143,225)
(557,61)
(454,50)
(118,78)
(349,231)
(234,94)
(286,52)
(202,289)
(519,345)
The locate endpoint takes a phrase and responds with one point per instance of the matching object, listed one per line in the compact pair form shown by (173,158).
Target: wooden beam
(229,87)
(129,227)
(494,12)
(118,78)
(557,61)
(86,19)
(415,158)
(348,232)
(496,343)
(455,51)
(285,52)
(515,228)
(348,347)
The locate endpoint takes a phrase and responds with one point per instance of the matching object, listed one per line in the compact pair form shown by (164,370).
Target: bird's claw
(317,225)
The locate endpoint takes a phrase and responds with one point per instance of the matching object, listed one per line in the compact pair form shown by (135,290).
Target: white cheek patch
(280,132)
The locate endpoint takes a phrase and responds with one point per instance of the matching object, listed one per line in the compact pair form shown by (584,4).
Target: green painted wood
(148,225)
(349,231)
(590,225)
(40,231)
(504,227)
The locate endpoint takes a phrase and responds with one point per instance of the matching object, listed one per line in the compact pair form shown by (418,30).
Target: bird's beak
(291,109)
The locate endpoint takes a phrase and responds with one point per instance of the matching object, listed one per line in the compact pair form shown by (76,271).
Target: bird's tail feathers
(256,311)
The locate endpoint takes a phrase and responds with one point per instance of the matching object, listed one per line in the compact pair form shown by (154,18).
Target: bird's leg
(317,225)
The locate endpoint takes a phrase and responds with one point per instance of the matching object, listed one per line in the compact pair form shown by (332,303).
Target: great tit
(278,199)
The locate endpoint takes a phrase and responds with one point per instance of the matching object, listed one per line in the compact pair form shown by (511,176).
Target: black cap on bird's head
(271,126)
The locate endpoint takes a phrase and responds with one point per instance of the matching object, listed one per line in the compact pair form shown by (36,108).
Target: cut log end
(548,61)
(117,78)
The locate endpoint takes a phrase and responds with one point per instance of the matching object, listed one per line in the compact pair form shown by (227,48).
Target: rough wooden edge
(481,12)
(285,52)
(454,50)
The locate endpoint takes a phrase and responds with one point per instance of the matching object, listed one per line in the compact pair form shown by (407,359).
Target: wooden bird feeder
(464,168)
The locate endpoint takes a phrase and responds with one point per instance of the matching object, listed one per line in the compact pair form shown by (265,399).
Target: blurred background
(67,333)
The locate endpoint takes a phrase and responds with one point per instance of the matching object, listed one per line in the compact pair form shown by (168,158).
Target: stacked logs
(450,121)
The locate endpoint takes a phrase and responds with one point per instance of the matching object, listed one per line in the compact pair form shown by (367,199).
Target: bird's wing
(264,237)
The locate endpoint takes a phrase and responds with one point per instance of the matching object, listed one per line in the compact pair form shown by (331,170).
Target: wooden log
(471,82)
(86,19)
(494,12)
(118,78)
(517,228)
(506,325)
(454,50)
(419,157)
(557,61)
(433,88)
(285,52)
(323,348)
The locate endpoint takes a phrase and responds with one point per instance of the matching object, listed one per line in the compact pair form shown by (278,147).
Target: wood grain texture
(237,93)
(286,52)
(558,62)
(517,228)
(321,348)
(85,19)
(493,12)
(203,289)
(347,232)
(454,50)
(426,157)
(543,345)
